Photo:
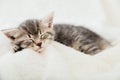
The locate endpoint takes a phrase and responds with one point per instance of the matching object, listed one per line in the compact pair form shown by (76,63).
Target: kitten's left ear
(11,33)
(48,20)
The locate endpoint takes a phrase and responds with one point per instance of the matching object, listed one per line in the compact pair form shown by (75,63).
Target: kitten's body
(79,38)
(36,34)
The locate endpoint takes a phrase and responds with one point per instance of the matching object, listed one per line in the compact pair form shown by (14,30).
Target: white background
(82,12)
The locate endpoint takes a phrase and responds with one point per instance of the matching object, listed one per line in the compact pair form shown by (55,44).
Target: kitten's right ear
(48,20)
(10,33)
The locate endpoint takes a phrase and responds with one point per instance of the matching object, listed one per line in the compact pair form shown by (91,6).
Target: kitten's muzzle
(39,44)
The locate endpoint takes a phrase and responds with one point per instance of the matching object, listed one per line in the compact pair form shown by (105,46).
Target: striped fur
(80,38)
(35,34)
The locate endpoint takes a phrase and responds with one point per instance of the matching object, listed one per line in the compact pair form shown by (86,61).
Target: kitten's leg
(91,49)
(94,50)
(16,46)
(88,47)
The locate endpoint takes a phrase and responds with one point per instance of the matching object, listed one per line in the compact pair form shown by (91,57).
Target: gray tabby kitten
(35,34)
(80,38)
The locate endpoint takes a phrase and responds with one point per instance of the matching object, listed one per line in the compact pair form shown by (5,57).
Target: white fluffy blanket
(58,62)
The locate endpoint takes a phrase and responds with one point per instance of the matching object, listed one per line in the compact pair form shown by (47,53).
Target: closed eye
(44,36)
(30,38)
(50,33)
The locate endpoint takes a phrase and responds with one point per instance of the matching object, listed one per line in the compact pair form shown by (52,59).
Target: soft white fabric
(58,62)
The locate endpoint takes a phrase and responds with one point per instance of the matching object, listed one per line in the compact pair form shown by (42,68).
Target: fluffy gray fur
(35,34)
(80,38)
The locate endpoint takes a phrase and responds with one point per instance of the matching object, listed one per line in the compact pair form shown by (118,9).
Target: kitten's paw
(94,50)
(16,48)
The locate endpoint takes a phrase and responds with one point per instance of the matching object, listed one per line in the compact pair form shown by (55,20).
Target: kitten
(80,38)
(35,34)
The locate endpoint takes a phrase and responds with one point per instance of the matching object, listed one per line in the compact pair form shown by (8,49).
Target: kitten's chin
(38,49)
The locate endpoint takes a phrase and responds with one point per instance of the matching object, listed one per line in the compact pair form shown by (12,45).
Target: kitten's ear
(10,33)
(48,20)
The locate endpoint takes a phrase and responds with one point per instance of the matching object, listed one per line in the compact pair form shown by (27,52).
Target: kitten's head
(33,33)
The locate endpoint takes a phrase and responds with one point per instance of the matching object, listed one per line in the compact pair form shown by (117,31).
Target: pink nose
(39,44)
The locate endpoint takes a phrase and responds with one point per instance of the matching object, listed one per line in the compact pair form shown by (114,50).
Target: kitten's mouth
(40,47)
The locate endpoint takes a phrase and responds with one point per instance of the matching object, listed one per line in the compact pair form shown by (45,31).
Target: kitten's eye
(44,36)
(50,33)
(29,36)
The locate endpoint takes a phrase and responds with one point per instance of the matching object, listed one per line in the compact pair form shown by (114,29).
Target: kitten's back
(79,38)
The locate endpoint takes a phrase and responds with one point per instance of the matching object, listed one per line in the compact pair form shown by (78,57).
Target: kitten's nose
(39,44)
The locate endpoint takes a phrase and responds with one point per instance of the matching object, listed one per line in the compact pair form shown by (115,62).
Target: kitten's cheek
(46,43)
